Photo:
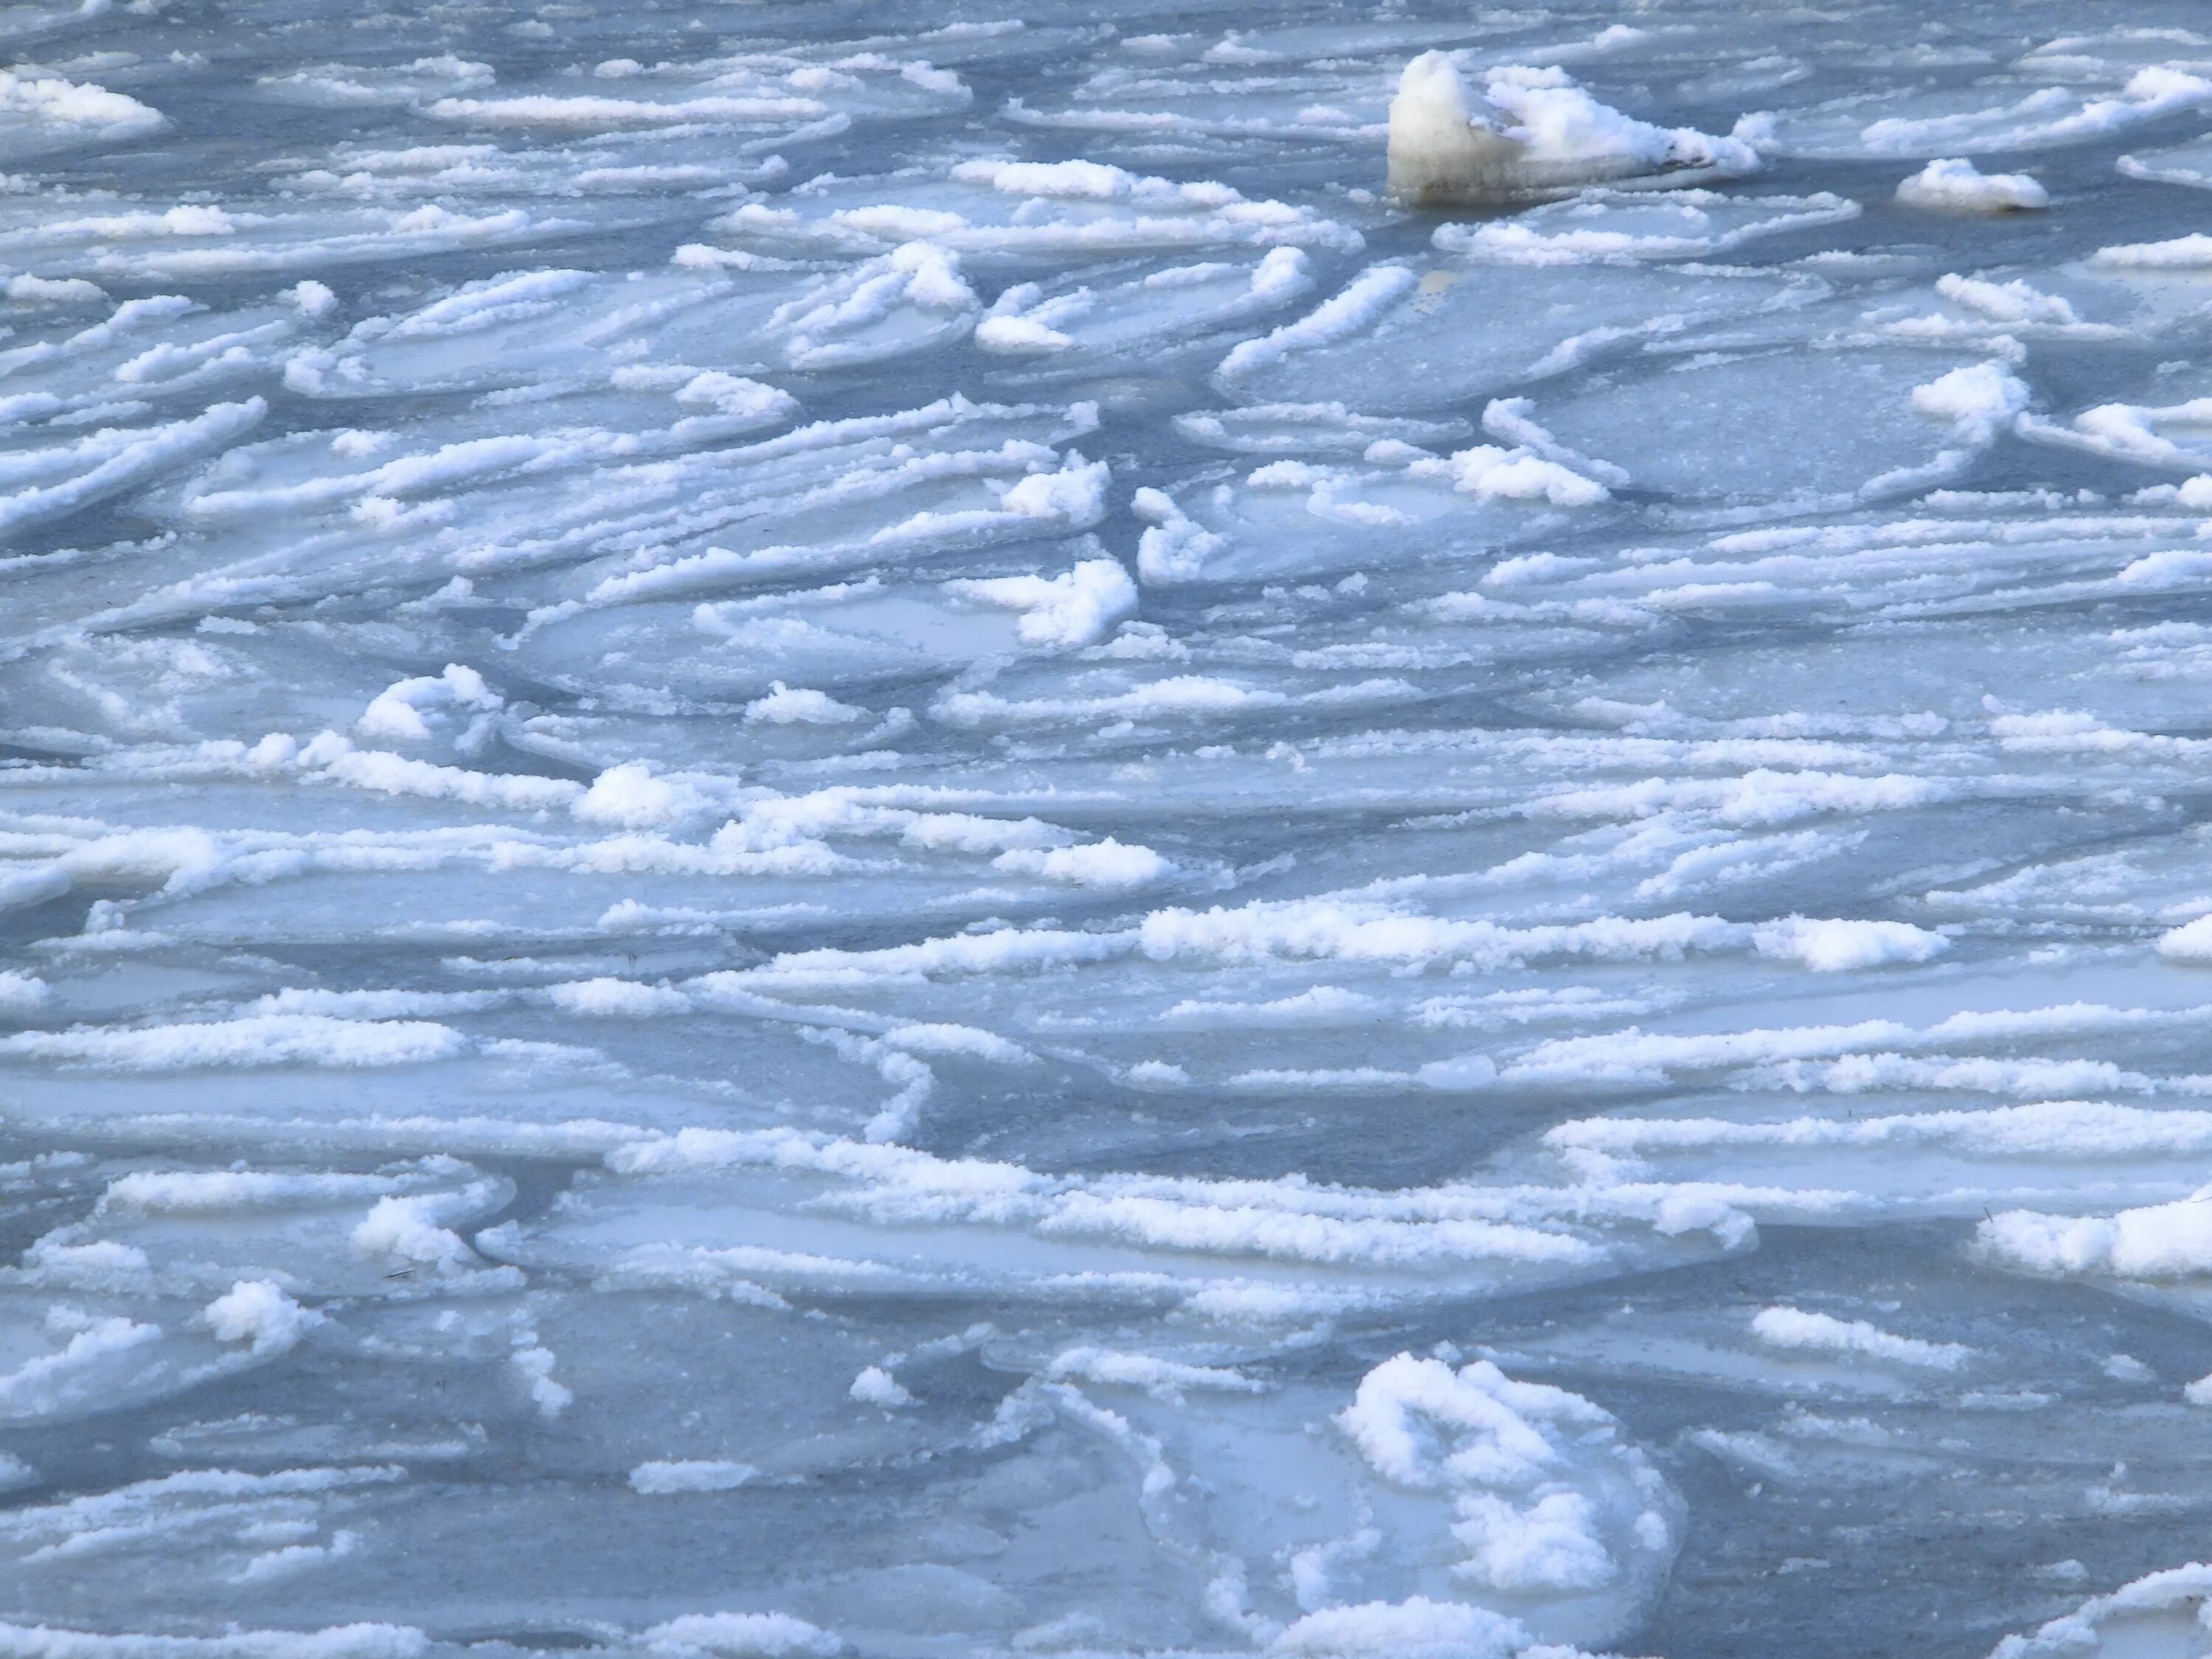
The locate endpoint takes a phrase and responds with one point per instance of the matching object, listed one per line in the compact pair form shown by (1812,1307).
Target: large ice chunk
(1533,131)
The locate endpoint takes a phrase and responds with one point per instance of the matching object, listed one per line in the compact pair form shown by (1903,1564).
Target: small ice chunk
(1519,475)
(875,1386)
(2189,252)
(313,299)
(1793,1327)
(608,998)
(1156,1075)
(1835,946)
(657,1479)
(407,1228)
(53,290)
(2190,943)
(796,706)
(1535,131)
(40,111)
(2157,1242)
(631,796)
(20,992)
(397,714)
(741,1635)
(1078,608)
(1109,863)
(1956,186)
(257,1311)
(1976,399)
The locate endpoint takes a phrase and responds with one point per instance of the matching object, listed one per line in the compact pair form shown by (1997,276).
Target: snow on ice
(1371,833)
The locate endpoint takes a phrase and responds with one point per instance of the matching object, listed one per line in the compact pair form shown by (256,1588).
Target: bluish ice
(1360,832)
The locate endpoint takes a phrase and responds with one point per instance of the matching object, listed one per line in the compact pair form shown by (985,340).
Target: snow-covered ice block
(1956,186)
(1534,131)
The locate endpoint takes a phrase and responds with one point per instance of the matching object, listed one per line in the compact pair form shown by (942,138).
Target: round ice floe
(679,331)
(2187,164)
(1601,226)
(1976,118)
(1295,518)
(1177,305)
(1004,212)
(161,350)
(1396,339)
(340,85)
(1441,1506)
(195,241)
(50,482)
(1852,423)
(2174,437)
(765,92)
(1311,429)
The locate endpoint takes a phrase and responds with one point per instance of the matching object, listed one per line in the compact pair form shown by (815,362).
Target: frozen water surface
(869,830)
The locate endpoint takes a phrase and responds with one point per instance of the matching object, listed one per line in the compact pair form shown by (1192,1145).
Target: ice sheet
(1104,831)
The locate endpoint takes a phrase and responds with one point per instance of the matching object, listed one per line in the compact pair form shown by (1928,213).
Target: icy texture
(1298,830)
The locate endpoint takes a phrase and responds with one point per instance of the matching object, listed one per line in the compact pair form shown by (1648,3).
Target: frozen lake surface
(843,829)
